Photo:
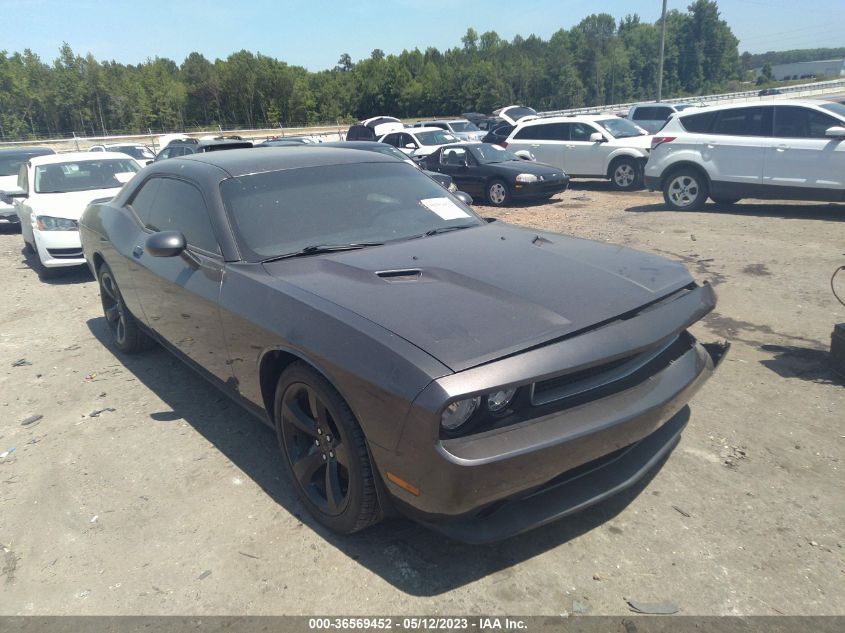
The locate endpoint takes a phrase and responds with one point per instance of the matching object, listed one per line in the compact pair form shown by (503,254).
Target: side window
(744,121)
(408,139)
(698,123)
(545,132)
(453,156)
(798,122)
(529,133)
(179,206)
(392,139)
(581,131)
(144,199)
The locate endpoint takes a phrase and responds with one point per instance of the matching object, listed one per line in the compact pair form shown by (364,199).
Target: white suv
(597,146)
(787,150)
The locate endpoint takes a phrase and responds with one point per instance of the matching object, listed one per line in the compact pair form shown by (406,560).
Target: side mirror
(837,131)
(597,137)
(9,196)
(463,197)
(410,146)
(165,244)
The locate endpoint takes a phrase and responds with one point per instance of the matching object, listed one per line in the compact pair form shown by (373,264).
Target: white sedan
(52,193)
(419,142)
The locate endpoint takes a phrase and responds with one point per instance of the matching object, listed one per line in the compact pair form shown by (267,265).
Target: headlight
(452,187)
(526,178)
(499,400)
(459,412)
(49,223)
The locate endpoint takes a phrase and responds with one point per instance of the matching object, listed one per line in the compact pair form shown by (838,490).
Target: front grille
(65,253)
(606,375)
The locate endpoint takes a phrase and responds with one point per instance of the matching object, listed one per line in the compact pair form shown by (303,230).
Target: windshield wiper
(316,249)
(442,229)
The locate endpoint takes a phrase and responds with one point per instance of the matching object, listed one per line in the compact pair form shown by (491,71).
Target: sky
(315,33)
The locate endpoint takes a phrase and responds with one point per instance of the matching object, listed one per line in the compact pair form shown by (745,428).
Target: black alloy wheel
(127,333)
(325,451)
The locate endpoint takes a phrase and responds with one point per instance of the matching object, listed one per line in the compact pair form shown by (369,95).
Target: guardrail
(802,90)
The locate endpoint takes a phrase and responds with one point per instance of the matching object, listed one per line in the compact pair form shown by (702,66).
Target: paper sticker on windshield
(445,208)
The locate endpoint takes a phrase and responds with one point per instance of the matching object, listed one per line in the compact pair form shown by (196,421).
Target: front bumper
(58,249)
(497,483)
(521,191)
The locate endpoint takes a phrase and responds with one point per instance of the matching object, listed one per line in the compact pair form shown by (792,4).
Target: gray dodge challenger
(412,357)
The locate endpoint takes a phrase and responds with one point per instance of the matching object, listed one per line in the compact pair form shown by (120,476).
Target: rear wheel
(625,174)
(497,193)
(685,190)
(325,451)
(126,332)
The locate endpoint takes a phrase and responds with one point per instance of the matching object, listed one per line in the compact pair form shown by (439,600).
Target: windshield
(388,150)
(437,137)
(837,109)
(280,212)
(135,151)
(621,128)
(84,175)
(463,126)
(488,153)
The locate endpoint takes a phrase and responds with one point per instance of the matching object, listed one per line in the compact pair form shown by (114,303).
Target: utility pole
(662,48)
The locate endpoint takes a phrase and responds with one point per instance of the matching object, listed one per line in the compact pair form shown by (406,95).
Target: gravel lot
(142,490)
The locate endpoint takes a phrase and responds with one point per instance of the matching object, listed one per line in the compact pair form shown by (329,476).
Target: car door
(584,157)
(462,167)
(800,155)
(547,141)
(735,149)
(179,295)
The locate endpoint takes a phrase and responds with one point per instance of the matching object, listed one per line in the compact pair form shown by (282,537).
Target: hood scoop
(409,274)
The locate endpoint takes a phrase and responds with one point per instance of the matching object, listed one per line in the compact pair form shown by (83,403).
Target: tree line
(773,58)
(598,61)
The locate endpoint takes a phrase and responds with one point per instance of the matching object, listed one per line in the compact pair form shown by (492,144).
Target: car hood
(640,142)
(475,295)
(68,205)
(528,167)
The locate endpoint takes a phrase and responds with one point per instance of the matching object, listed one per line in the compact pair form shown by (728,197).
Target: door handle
(537,145)
(782,148)
(138,251)
(710,145)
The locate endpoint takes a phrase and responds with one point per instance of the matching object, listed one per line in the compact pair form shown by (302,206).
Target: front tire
(625,174)
(325,451)
(126,332)
(498,193)
(685,190)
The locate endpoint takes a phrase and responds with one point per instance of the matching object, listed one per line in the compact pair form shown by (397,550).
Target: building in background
(829,68)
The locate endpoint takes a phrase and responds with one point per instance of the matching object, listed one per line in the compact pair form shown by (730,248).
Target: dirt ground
(142,490)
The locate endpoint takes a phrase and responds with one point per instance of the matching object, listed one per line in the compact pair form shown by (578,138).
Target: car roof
(592,118)
(240,162)
(75,157)
(414,130)
(813,103)
(27,151)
